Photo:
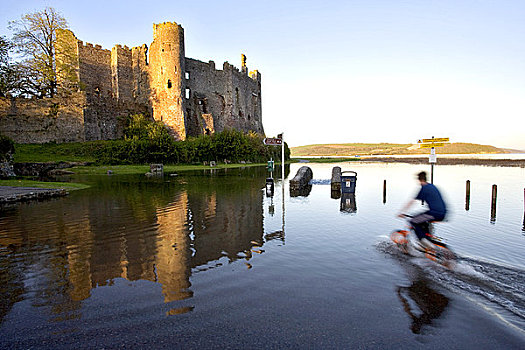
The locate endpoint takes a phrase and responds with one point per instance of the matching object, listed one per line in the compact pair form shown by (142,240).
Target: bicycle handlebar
(406,215)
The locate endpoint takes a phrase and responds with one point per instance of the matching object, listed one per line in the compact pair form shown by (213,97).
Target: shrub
(7,148)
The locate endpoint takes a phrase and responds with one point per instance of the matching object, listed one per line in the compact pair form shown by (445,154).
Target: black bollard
(493,204)
(523,229)
(384,191)
(467,196)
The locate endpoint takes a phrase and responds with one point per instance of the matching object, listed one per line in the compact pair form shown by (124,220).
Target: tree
(34,36)
(5,68)
(4,65)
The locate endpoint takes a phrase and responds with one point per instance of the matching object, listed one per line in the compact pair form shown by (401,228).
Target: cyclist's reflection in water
(430,303)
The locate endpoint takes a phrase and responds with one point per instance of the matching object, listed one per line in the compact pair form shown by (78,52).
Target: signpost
(432,143)
(273,141)
(278,141)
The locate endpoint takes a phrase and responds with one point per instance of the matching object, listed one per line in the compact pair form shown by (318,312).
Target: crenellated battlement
(92,47)
(121,47)
(166,27)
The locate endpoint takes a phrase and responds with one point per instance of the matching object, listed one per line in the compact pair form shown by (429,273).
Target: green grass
(41,184)
(49,152)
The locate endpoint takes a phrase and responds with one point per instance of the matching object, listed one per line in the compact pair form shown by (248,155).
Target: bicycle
(437,251)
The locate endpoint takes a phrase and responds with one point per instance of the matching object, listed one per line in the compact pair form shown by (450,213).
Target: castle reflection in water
(157,231)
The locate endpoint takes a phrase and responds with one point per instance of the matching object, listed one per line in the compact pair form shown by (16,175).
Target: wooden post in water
(523,229)
(467,196)
(493,204)
(384,191)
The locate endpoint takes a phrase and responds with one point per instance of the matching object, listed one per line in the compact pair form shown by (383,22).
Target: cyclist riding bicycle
(437,210)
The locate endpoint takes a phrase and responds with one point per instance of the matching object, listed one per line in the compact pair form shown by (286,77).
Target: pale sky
(344,71)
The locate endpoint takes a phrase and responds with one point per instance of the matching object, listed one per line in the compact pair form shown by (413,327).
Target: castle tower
(167,68)
(67,60)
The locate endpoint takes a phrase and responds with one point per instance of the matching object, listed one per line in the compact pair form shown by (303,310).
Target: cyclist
(437,209)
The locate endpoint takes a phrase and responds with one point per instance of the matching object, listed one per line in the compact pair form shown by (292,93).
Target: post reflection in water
(161,235)
(348,203)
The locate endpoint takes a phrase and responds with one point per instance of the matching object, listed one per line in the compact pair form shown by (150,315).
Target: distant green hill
(361,149)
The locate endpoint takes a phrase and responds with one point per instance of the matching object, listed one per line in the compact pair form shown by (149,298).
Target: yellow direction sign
(441,139)
(430,145)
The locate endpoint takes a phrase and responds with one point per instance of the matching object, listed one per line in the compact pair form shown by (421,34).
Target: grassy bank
(70,186)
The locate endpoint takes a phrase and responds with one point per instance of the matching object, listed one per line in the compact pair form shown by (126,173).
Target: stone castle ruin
(189,96)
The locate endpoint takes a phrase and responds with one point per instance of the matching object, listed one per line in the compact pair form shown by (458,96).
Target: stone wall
(58,119)
(230,96)
(207,90)
(122,73)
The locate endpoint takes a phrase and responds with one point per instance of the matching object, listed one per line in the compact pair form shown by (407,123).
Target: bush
(7,148)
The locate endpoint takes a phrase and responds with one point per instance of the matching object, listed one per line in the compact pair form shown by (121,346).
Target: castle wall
(141,78)
(96,80)
(246,104)
(231,97)
(207,95)
(122,73)
(58,119)
(67,48)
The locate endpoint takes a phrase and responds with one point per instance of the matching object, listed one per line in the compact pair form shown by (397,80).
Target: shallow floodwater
(207,260)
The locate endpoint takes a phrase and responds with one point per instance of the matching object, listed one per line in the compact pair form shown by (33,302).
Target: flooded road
(206,259)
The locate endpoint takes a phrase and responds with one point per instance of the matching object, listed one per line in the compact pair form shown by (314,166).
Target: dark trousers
(421,224)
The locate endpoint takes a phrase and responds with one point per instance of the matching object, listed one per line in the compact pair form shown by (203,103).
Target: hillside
(361,149)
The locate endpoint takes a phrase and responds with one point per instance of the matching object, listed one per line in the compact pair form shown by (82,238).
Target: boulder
(302,178)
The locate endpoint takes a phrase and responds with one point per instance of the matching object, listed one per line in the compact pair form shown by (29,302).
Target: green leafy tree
(4,65)
(141,127)
(34,37)
(8,72)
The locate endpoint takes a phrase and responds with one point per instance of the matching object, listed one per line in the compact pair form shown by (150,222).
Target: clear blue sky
(345,71)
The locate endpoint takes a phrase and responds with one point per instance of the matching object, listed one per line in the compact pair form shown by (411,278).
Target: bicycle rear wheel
(442,255)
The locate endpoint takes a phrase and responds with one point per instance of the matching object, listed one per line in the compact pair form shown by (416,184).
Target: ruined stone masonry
(189,96)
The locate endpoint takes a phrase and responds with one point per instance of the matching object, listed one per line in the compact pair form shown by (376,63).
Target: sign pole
(432,144)
(282,153)
(432,161)
(432,171)
(282,175)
